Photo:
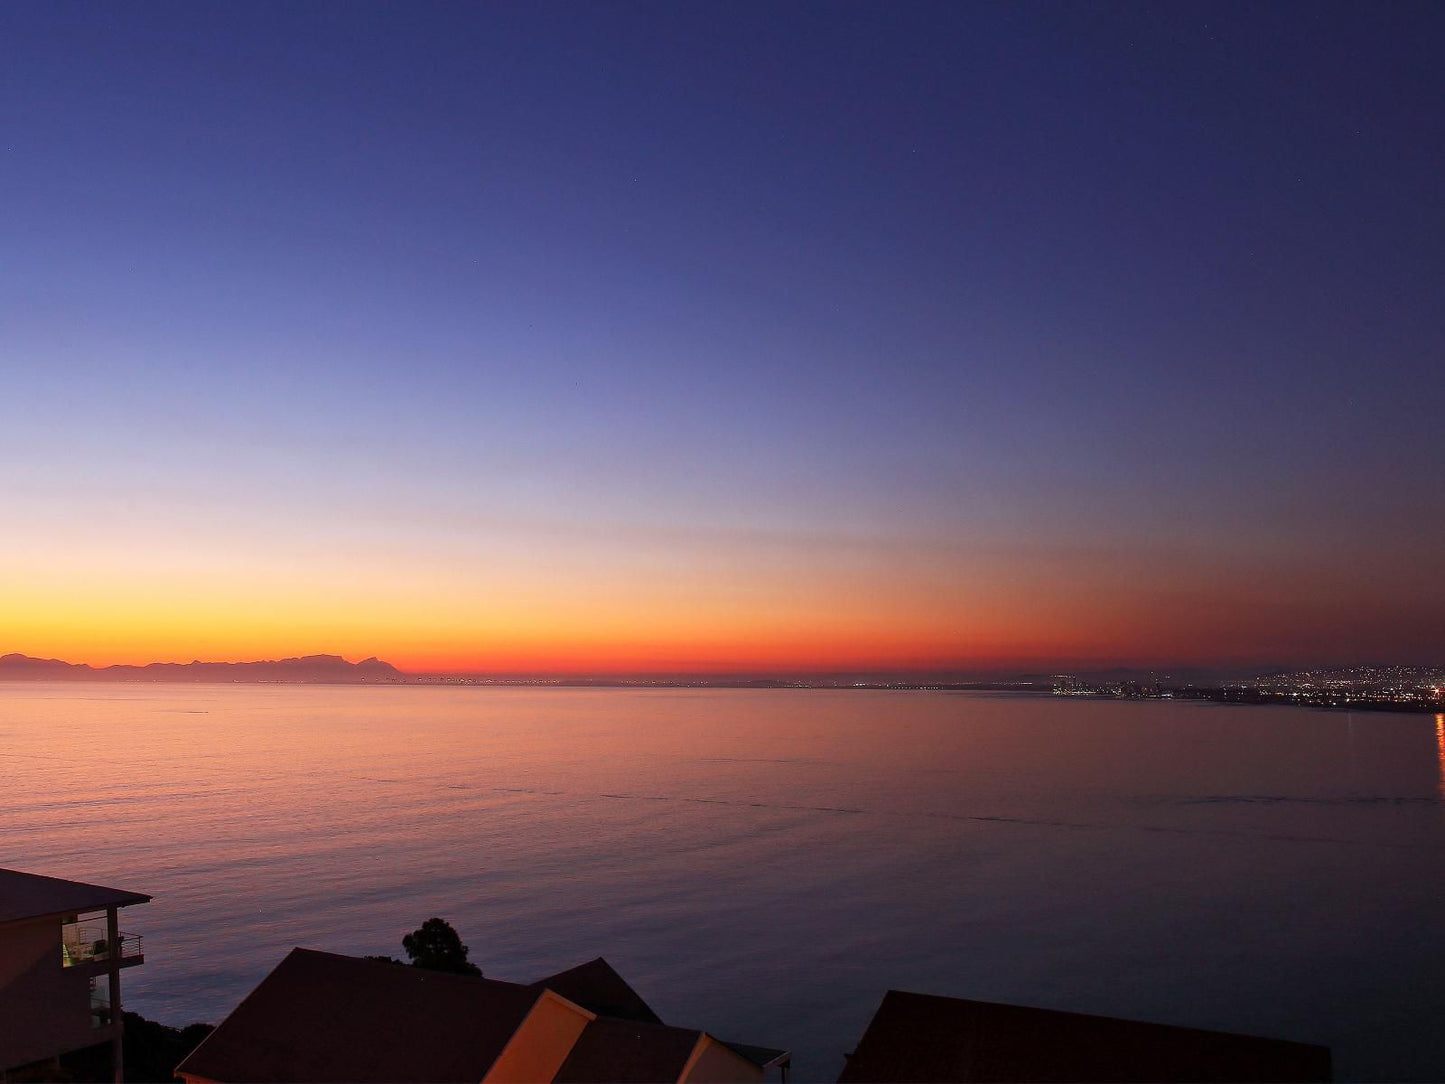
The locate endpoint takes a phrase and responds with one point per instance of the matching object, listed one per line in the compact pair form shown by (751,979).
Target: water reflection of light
(1440,748)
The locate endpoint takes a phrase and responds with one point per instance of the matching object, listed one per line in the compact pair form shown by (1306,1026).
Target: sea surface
(765,864)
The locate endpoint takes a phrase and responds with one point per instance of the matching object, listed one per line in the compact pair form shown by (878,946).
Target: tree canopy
(437,947)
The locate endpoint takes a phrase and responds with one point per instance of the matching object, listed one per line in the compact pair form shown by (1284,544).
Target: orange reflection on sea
(1440,748)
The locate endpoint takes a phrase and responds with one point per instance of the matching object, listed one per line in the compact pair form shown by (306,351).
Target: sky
(749,338)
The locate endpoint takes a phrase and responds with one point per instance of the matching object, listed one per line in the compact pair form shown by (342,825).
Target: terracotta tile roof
(327,1018)
(597,987)
(628,1052)
(28,895)
(920,1037)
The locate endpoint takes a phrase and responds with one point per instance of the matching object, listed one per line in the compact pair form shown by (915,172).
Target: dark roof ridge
(458,1024)
(598,987)
(764,1057)
(1015,1007)
(920,1037)
(34,895)
(195,1050)
(410,969)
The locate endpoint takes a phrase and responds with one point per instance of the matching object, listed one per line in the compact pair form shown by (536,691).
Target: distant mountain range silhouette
(312,669)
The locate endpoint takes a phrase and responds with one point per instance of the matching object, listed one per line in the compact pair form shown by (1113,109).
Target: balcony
(101,1015)
(88,943)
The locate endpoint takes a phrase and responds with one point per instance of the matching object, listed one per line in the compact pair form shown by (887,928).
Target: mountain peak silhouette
(309,669)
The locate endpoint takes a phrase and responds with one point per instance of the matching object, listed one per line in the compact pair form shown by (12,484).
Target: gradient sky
(601,338)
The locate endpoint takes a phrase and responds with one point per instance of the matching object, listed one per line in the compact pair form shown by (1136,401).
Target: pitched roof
(921,1037)
(764,1057)
(597,987)
(628,1052)
(28,895)
(328,1018)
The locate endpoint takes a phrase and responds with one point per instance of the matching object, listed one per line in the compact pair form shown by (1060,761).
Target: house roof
(597,987)
(764,1057)
(628,1052)
(921,1037)
(29,895)
(327,1018)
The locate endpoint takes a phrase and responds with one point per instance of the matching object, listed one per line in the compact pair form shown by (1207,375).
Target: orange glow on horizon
(460,636)
(554,605)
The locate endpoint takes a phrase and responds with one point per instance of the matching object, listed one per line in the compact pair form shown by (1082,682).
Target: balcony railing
(82,943)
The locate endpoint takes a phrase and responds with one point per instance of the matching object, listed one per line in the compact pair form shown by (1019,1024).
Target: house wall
(540,1045)
(44,1005)
(716,1064)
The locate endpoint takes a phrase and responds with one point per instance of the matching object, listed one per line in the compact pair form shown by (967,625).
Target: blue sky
(980,279)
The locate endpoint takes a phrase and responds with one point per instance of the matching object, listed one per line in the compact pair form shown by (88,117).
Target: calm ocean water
(766,864)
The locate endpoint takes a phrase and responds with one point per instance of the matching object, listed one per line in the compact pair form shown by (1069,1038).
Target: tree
(437,947)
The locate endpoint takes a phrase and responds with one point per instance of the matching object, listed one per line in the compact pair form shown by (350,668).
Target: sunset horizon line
(982,670)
